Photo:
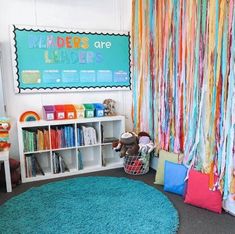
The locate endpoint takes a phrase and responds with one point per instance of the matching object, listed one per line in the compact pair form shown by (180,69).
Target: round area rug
(89,205)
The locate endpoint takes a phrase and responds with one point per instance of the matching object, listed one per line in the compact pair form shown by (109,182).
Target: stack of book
(36,140)
(86,136)
(32,166)
(58,162)
(62,137)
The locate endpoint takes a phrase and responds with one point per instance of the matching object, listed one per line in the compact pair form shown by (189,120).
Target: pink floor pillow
(199,194)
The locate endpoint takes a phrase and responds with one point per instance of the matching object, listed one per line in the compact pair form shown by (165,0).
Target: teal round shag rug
(88,205)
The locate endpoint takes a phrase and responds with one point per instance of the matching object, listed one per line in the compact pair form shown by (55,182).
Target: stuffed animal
(4,133)
(127,145)
(109,105)
(145,144)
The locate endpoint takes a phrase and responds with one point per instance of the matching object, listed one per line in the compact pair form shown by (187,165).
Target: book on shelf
(38,167)
(59,142)
(30,140)
(80,163)
(35,139)
(53,139)
(80,140)
(109,139)
(46,139)
(32,166)
(86,136)
(103,159)
(102,133)
(55,163)
(62,137)
(40,140)
(28,168)
(59,164)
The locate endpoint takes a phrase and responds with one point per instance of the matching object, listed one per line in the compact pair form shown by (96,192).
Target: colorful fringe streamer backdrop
(183,54)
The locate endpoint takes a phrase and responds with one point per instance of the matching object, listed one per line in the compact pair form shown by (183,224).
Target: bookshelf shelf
(86,146)
(36,152)
(109,143)
(52,149)
(67,148)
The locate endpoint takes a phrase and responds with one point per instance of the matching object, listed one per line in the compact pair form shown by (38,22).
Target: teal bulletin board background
(64,60)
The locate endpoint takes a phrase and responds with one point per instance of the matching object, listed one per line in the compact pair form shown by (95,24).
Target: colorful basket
(137,165)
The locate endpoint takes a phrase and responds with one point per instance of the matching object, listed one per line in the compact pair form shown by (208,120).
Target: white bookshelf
(95,157)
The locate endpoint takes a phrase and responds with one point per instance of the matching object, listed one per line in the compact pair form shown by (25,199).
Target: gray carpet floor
(193,220)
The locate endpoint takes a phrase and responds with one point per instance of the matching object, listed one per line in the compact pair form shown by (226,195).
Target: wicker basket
(137,165)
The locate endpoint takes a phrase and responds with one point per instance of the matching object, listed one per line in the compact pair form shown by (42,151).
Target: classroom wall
(2,104)
(70,14)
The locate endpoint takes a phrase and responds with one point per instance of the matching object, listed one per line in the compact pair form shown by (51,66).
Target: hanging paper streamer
(183,55)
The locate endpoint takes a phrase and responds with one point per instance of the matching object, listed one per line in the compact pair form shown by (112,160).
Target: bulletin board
(54,60)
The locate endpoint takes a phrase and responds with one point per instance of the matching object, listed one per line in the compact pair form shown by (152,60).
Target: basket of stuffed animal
(136,151)
(137,164)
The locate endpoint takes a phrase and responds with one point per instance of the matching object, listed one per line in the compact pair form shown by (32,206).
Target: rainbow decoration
(29,116)
(183,55)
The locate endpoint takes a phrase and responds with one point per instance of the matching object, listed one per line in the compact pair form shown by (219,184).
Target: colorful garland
(183,56)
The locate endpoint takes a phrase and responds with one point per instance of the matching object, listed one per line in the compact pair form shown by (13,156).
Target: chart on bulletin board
(53,60)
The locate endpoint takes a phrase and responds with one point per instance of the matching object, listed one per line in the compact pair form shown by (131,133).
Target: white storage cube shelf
(51,149)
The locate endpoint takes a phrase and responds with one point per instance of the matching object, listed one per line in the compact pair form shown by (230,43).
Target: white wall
(75,14)
(2,103)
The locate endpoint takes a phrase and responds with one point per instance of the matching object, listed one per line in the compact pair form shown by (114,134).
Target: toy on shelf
(4,133)
(29,116)
(109,106)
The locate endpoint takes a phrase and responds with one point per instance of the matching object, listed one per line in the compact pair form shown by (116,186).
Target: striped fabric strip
(183,81)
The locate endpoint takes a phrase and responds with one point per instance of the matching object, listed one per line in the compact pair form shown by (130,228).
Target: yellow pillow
(163,156)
